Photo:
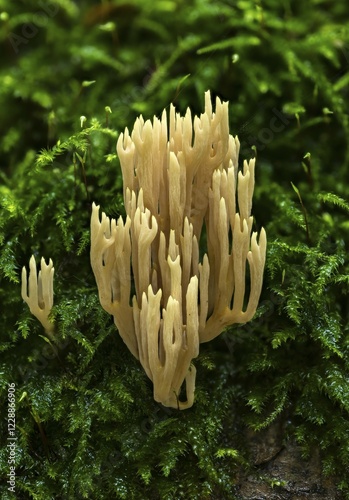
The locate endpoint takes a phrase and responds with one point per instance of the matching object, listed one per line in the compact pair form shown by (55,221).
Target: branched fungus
(181,184)
(37,292)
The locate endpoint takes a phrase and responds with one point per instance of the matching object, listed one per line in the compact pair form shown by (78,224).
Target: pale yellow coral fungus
(181,182)
(37,292)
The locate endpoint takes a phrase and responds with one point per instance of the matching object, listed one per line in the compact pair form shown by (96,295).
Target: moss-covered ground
(86,422)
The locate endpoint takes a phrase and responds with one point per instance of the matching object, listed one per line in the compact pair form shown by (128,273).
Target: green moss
(86,422)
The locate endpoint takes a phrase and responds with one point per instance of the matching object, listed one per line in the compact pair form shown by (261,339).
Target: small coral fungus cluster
(181,186)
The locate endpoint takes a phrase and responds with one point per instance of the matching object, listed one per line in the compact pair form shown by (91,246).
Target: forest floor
(281,473)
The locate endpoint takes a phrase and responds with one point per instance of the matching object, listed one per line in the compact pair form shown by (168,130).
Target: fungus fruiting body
(181,186)
(37,292)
